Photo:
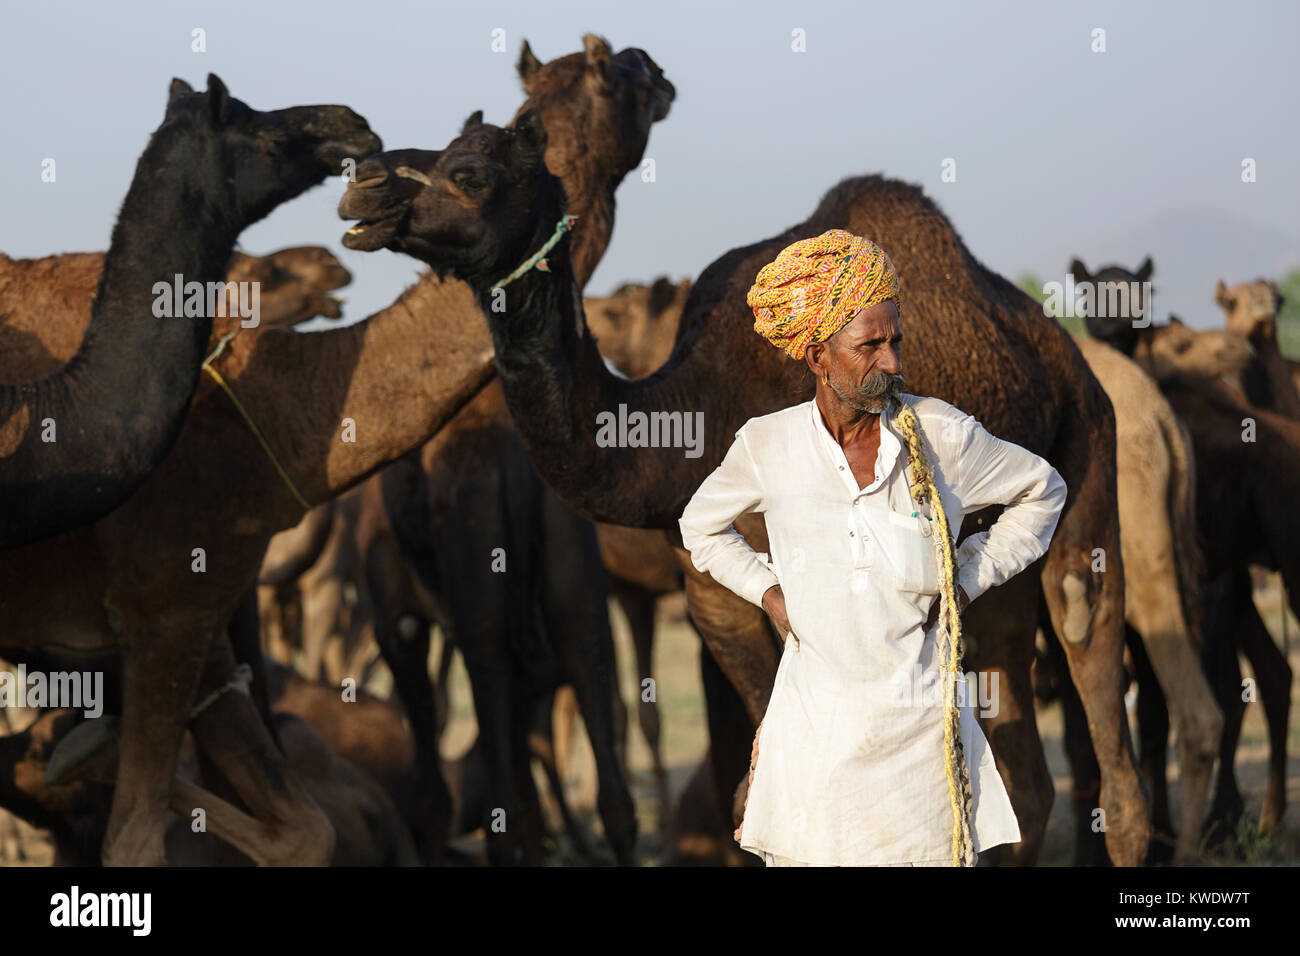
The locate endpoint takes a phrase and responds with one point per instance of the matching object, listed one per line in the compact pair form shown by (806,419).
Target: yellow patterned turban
(816,286)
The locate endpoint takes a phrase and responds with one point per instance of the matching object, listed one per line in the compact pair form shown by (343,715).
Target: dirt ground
(683,741)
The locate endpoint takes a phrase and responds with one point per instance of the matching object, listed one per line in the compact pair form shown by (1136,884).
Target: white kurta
(850,766)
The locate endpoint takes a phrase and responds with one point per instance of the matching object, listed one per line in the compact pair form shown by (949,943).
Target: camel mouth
(371,234)
(356,147)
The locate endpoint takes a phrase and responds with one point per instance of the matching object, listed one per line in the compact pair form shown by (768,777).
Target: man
(869,753)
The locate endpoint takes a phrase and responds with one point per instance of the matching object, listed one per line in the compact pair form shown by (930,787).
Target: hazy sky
(1059,150)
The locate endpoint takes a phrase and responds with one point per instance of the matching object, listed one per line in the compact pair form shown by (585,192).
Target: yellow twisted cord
(257,432)
(921,481)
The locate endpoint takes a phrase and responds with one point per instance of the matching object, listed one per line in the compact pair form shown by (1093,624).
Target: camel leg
(576,613)
(1000,631)
(402,633)
(286,826)
(638,606)
(1226,600)
(1196,717)
(1153,751)
(478,609)
(1087,611)
(320,608)
(163,659)
(1089,846)
(543,743)
(1273,676)
(563,720)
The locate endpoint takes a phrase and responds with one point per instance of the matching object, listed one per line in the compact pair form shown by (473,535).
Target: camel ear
(1145,270)
(528,66)
(177,92)
(661,295)
(1078,270)
(474,119)
(1221,297)
(530,139)
(218,101)
(600,59)
(1174,320)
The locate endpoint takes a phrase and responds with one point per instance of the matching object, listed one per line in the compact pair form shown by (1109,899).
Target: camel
(635,328)
(46,303)
(474,521)
(1251,309)
(207,524)
(1204,376)
(74,444)
(636,325)
(1163,566)
(374,400)
(311,595)
(486,204)
(72,804)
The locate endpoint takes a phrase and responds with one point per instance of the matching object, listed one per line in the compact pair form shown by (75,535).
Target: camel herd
(242,530)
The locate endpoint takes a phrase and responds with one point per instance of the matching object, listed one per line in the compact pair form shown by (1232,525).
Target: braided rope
(538,258)
(950,641)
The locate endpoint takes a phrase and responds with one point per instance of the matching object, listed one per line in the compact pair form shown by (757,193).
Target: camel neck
(1282,395)
(157,238)
(559,390)
(338,405)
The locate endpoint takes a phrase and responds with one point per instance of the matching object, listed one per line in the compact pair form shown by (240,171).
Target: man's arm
(707,531)
(989,471)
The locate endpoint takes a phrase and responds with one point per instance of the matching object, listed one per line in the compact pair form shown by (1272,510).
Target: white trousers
(771,859)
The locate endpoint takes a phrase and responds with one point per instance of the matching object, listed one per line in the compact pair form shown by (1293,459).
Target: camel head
(257,160)
(294,285)
(597,102)
(1176,350)
(475,209)
(1112,320)
(1250,308)
(636,326)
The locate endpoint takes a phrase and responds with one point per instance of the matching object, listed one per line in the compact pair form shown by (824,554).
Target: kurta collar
(887,457)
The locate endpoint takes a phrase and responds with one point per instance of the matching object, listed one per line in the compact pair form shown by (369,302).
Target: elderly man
(862,756)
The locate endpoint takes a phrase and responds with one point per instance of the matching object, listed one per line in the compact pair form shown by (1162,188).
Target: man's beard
(872,396)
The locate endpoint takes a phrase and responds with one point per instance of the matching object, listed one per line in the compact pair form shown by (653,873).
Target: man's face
(862,359)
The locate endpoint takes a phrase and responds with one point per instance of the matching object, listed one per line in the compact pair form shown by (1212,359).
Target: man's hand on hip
(774,605)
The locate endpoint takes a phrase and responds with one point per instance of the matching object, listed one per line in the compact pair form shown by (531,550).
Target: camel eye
(469,181)
(1181,347)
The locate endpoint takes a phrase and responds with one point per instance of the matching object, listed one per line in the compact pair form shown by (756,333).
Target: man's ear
(816,358)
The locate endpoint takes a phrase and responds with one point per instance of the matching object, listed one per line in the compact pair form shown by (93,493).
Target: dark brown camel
(374,398)
(483,205)
(1193,370)
(76,443)
(515,574)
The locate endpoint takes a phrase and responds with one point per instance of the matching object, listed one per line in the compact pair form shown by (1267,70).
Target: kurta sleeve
(707,527)
(989,471)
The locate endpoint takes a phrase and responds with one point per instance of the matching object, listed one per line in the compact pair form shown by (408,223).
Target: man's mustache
(879,384)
